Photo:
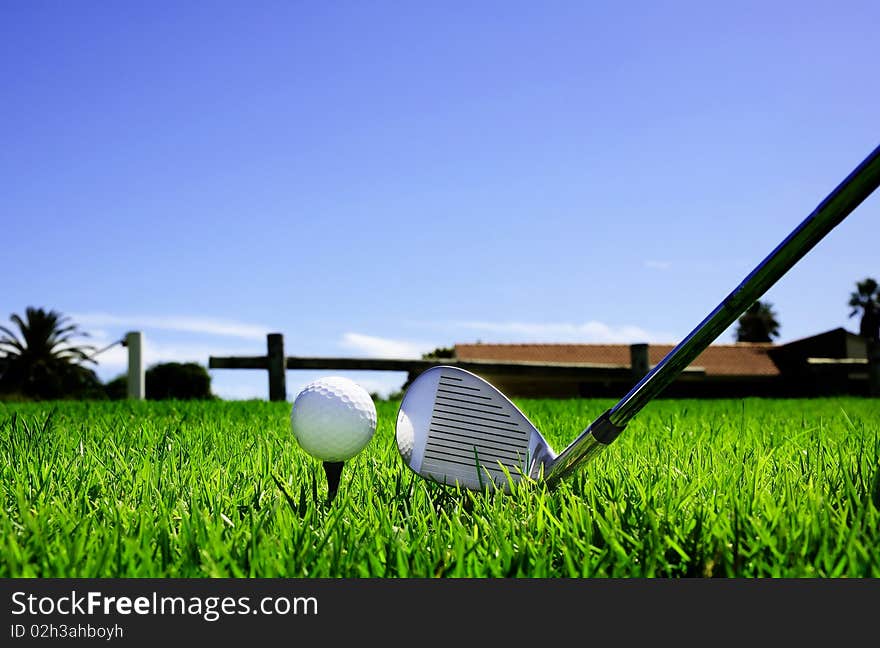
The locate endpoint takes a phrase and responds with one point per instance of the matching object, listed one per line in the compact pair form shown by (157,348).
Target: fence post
(638,358)
(134,341)
(277,367)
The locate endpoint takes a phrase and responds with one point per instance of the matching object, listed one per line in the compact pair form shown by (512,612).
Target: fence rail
(275,362)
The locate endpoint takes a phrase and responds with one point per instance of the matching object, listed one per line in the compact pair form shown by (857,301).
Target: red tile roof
(742,359)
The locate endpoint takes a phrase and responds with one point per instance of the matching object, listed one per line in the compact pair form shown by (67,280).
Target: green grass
(754,488)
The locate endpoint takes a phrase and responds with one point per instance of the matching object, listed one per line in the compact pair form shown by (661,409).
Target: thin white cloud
(114,361)
(186,324)
(537,332)
(657,265)
(383,383)
(378,347)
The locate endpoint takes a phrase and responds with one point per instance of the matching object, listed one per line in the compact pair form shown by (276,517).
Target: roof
(838,333)
(741,359)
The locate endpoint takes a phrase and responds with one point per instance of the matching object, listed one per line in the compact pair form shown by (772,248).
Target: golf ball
(333,418)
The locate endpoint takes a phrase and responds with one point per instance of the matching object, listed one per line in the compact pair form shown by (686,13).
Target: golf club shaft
(848,195)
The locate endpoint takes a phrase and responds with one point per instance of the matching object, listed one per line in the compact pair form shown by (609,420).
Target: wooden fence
(276,363)
(819,376)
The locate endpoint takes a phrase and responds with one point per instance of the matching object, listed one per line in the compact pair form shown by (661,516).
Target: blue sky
(379,179)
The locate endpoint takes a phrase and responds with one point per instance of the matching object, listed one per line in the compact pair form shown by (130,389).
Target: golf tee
(333,470)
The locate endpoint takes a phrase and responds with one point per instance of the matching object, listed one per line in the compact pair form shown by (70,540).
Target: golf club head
(453,427)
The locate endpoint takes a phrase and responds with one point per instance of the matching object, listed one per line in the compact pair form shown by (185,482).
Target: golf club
(453,427)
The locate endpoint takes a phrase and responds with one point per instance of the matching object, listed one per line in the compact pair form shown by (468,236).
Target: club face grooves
(473,435)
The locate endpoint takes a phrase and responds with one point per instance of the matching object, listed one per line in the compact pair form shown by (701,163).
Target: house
(833,362)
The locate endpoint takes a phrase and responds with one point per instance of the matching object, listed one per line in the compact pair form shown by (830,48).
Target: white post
(134,340)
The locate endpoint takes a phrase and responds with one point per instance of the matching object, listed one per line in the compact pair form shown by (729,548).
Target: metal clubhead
(455,428)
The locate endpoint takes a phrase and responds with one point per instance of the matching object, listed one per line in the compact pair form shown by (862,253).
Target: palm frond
(17,321)
(10,342)
(78,354)
(12,346)
(7,332)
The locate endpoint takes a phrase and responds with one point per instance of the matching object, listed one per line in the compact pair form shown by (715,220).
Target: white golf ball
(333,418)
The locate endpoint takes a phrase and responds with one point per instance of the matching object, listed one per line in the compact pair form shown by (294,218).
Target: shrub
(117,389)
(176,380)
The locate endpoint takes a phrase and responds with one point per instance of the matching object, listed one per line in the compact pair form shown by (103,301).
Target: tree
(866,300)
(758,324)
(41,361)
(439,353)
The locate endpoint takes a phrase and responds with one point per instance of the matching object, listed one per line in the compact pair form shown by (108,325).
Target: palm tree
(758,324)
(43,361)
(866,300)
